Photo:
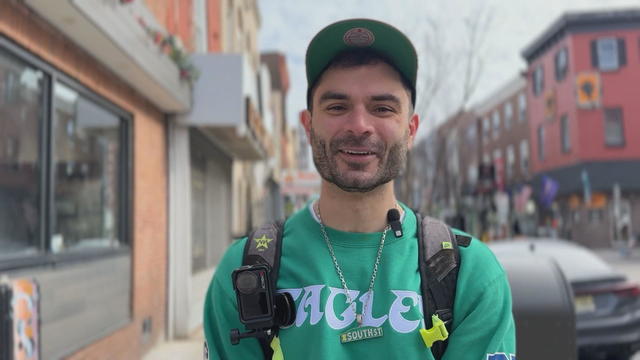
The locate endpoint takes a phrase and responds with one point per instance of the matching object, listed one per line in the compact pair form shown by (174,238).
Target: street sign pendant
(361,333)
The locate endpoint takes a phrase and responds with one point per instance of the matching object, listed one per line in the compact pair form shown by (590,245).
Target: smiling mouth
(361,153)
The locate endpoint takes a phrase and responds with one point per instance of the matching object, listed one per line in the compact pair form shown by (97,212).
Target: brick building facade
(102,298)
(582,74)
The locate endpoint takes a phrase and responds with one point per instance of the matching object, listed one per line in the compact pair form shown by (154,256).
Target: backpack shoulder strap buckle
(438,332)
(446,315)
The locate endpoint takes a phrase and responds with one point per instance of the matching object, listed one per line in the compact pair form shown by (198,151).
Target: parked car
(606,303)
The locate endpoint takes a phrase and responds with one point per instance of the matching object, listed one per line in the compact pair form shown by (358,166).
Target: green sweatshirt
(483,326)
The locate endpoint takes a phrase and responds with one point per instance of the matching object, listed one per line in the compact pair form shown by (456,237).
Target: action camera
(260,309)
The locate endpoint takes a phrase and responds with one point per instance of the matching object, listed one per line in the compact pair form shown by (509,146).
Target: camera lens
(247,282)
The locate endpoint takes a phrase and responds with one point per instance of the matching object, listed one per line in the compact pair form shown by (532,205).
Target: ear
(305,120)
(414,122)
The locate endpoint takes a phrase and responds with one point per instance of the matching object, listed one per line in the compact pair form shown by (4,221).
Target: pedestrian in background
(627,241)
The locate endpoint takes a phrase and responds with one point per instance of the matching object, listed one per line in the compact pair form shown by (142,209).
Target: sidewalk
(615,255)
(181,349)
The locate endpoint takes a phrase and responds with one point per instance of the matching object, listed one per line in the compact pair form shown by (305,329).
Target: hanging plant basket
(169,45)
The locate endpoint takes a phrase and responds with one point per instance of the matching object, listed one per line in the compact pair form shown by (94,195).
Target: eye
(383,109)
(336,108)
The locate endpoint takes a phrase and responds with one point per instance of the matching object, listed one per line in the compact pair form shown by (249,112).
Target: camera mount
(236,335)
(261,310)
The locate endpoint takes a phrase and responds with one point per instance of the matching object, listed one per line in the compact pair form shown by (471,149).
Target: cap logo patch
(358,37)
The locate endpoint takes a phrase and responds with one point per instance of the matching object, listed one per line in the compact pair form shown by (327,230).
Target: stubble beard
(390,163)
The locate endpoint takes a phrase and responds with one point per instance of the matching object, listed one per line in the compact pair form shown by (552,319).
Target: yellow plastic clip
(277,350)
(437,333)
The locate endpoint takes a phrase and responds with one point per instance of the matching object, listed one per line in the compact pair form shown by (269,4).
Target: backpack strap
(439,260)
(264,246)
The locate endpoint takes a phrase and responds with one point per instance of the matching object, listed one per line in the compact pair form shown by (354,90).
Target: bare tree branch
(449,77)
(476,28)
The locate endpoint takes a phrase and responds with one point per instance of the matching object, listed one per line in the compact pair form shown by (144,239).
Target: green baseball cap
(375,35)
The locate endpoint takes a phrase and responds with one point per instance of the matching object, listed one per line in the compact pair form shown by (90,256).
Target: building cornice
(581,22)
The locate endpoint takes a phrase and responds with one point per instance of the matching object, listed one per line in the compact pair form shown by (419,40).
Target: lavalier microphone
(393,219)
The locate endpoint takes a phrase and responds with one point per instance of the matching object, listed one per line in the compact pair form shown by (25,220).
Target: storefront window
(86,173)
(21,111)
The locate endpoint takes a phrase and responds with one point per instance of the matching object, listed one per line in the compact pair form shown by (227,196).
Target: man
(343,268)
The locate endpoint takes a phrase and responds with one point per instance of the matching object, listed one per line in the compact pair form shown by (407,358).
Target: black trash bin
(543,308)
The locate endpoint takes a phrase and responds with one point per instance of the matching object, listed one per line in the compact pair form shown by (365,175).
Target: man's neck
(354,211)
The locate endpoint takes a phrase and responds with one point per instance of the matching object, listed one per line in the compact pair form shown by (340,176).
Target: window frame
(540,140)
(620,119)
(565,133)
(44,256)
(537,82)
(486,128)
(496,119)
(522,110)
(600,53)
(507,111)
(619,53)
(561,74)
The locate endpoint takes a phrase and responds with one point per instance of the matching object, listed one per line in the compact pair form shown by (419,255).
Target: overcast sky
(288,25)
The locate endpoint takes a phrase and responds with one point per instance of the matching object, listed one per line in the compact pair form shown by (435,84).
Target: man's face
(361,126)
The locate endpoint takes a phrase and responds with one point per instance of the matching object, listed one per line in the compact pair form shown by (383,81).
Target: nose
(359,121)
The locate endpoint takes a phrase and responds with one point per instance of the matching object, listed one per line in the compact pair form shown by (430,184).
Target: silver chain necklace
(341,275)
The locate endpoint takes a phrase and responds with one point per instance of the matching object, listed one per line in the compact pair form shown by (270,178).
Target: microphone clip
(393,219)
